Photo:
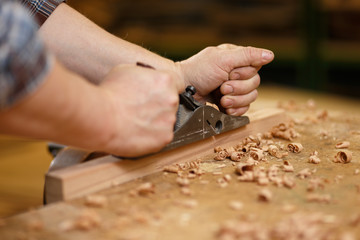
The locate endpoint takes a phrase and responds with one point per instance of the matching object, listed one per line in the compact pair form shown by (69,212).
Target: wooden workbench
(170,214)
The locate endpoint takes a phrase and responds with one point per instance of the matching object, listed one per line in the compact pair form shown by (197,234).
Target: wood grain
(104,172)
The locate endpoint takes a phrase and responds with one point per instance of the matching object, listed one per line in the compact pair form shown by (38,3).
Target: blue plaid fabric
(24,61)
(41,9)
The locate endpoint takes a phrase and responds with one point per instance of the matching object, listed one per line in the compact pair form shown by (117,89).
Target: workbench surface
(211,208)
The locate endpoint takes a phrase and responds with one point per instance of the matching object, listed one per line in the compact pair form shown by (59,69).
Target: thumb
(248,56)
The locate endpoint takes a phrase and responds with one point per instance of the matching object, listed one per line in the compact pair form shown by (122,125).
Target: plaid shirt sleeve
(41,9)
(24,61)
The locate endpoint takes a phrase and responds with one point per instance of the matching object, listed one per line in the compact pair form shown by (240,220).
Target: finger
(238,101)
(236,87)
(237,111)
(245,56)
(243,73)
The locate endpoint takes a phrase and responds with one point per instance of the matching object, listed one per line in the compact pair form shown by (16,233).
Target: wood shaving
(284,131)
(265,195)
(247,176)
(287,167)
(295,147)
(222,155)
(145,189)
(275,152)
(306,172)
(263,181)
(188,203)
(236,205)
(204,182)
(212,105)
(257,154)
(323,115)
(182,181)
(314,158)
(319,198)
(237,156)
(288,208)
(98,201)
(222,183)
(85,221)
(344,144)
(337,178)
(186,191)
(227,177)
(241,168)
(356,171)
(315,183)
(288,182)
(178,167)
(218,149)
(343,157)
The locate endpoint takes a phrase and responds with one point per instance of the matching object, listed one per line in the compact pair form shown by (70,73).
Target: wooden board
(104,172)
(163,215)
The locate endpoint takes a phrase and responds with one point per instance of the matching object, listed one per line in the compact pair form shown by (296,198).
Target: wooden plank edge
(105,172)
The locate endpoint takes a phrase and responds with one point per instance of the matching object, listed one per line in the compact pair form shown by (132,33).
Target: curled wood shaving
(284,131)
(85,221)
(241,168)
(212,105)
(265,195)
(344,144)
(218,149)
(237,156)
(343,157)
(287,167)
(222,155)
(295,147)
(99,201)
(236,205)
(275,152)
(257,154)
(314,158)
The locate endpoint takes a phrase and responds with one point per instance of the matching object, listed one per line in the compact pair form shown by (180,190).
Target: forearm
(65,109)
(87,49)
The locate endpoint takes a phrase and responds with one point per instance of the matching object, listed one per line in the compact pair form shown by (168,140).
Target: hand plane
(196,121)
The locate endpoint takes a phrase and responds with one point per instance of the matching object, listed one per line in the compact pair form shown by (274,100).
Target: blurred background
(316,42)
